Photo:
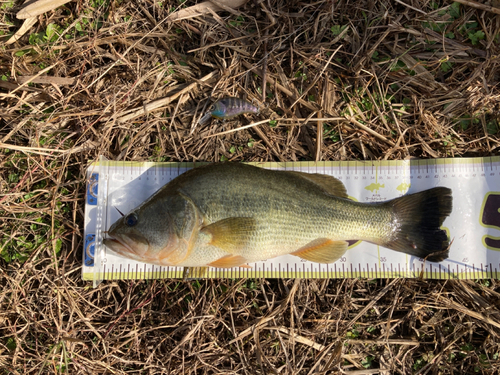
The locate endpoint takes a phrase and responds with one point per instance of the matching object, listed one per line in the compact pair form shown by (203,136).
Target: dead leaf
(47,79)
(204,8)
(27,24)
(39,7)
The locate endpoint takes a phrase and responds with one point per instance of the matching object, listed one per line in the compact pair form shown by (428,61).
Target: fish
(228,108)
(229,214)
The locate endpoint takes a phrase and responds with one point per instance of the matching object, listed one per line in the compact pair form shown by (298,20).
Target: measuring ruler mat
(473,226)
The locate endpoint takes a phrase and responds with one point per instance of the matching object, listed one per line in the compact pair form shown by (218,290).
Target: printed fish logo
(374,187)
(403,187)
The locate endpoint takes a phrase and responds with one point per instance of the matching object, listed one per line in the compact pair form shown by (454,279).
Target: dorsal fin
(329,184)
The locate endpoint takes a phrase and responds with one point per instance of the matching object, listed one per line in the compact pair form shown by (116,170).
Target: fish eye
(131,219)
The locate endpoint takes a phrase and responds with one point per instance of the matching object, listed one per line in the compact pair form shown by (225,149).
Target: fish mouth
(130,246)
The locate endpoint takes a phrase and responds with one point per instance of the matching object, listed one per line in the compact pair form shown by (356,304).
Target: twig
(238,129)
(320,120)
(33,150)
(266,140)
(31,79)
(368,130)
(473,4)
(313,83)
(319,137)
(280,87)
(409,6)
(298,338)
(156,104)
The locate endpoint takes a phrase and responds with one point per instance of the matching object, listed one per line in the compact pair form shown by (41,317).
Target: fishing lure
(228,108)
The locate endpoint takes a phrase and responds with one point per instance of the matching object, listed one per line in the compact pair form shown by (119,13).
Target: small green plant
(58,246)
(406,105)
(11,344)
(276,346)
(99,3)
(465,122)
(471,30)
(419,363)
(367,362)
(434,26)
(19,248)
(446,66)
(492,127)
(300,74)
(378,58)
(448,141)
(13,178)
(237,23)
(353,334)
(330,133)
(196,285)
(454,10)
(337,29)
(7,5)
(397,66)
(50,35)
(475,37)
(250,284)
(52,32)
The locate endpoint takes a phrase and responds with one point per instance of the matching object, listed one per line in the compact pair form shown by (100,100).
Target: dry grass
(345,80)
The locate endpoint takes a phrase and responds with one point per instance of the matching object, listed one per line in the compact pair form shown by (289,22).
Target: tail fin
(418,218)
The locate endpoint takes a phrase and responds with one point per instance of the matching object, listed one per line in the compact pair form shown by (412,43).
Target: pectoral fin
(232,234)
(322,250)
(229,261)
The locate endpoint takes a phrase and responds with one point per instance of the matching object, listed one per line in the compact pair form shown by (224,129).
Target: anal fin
(322,250)
(229,261)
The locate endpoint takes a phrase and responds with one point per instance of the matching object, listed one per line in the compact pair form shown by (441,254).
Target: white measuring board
(474,224)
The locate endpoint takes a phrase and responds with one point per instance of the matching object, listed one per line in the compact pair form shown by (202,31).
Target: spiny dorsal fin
(322,250)
(330,184)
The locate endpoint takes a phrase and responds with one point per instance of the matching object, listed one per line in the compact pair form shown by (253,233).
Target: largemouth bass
(227,108)
(229,214)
